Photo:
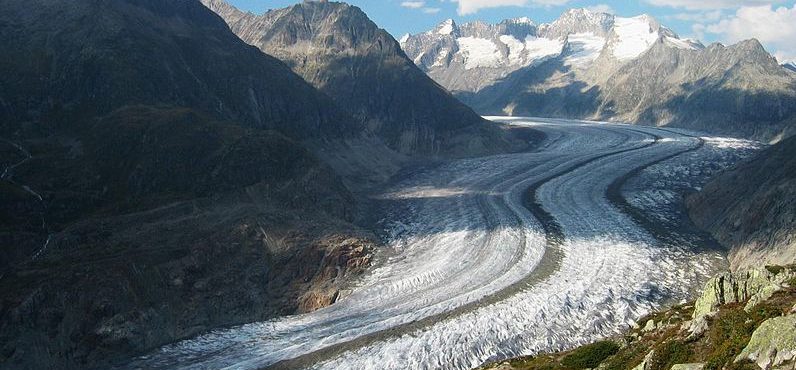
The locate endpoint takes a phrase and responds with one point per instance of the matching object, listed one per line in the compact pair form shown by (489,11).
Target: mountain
(90,71)
(593,65)
(790,65)
(339,50)
(159,178)
(751,209)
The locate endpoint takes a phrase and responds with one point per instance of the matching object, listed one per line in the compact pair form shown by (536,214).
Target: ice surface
(479,52)
(468,274)
(584,48)
(539,47)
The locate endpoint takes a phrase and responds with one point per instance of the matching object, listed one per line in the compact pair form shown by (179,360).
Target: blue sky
(727,21)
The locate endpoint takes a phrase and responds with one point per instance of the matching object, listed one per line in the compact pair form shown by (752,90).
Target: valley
(206,184)
(504,255)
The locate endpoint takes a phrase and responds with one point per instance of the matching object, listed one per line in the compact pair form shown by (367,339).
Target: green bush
(589,356)
(775,269)
(729,334)
(670,353)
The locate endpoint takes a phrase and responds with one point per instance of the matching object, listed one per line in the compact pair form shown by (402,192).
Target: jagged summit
(447,27)
(339,50)
(588,64)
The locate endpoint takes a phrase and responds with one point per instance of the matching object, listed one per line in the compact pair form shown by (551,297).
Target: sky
(726,21)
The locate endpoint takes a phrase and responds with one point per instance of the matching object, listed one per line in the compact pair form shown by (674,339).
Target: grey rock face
(598,66)
(773,343)
(738,287)
(750,209)
(691,366)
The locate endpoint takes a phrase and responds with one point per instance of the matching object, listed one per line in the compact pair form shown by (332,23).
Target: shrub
(590,356)
(670,353)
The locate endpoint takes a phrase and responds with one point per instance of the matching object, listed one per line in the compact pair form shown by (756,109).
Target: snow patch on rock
(584,48)
(479,52)
(634,36)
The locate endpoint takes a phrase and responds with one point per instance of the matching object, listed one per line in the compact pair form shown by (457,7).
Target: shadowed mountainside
(751,209)
(160,178)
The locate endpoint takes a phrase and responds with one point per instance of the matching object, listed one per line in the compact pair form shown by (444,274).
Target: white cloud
(473,6)
(711,4)
(706,16)
(601,8)
(413,4)
(776,28)
(431,10)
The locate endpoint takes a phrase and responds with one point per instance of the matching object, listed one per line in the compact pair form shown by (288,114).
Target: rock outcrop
(773,343)
(752,286)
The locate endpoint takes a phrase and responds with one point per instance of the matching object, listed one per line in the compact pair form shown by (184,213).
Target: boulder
(773,343)
(693,366)
(644,365)
(733,287)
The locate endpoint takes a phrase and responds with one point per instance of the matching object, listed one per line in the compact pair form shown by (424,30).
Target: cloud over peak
(473,6)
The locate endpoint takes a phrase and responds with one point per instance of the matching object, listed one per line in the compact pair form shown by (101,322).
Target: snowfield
(634,36)
(498,256)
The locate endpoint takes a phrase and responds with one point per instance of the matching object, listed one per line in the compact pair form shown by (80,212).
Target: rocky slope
(159,178)
(599,66)
(335,47)
(751,209)
(750,326)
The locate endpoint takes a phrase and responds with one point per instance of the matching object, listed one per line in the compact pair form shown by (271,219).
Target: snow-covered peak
(578,13)
(688,44)
(447,27)
(578,21)
(404,38)
(634,36)
(520,20)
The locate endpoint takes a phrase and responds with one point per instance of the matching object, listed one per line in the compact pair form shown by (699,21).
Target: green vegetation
(775,269)
(589,356)
(670,353)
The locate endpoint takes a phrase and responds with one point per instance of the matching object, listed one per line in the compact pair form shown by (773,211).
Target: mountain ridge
(586,65)
(161,178)
(339,50)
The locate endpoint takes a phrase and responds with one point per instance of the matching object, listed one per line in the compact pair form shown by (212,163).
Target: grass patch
(670,353)
(590,356)
(627,358)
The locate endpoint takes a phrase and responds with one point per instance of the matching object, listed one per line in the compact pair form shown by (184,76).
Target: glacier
(497,256)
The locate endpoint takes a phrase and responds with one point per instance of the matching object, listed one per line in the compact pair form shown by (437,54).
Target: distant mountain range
(599,66)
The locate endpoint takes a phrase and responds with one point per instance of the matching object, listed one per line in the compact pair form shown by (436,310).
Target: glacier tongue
(473,275)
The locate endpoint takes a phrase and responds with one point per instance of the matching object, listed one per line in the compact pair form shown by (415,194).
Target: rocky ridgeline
(742,320)
(599,66)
